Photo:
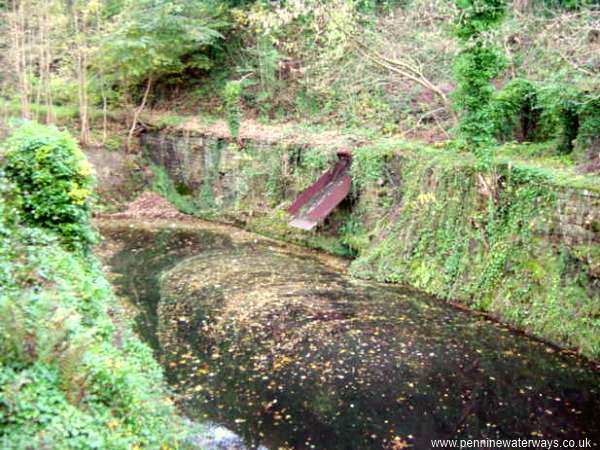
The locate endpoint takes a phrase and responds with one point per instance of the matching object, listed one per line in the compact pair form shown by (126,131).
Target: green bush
(55,182)
(537,112)
(73,375)
(517,112)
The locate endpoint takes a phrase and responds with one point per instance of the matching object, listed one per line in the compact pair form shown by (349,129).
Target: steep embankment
(73,375)
(516,241)
(72,372)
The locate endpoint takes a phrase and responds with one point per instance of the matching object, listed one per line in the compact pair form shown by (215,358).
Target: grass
(64,115)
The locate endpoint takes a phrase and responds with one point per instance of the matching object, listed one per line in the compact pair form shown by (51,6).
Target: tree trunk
(81,77)
(104,112)
(102,86)
(20,57)
(46,63)
(39,44)
(137,113)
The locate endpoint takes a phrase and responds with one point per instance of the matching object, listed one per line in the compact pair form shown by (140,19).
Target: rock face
(518,244)
(578,216)
(119,176)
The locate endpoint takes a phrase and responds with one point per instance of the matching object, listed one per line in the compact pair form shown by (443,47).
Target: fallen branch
(406,70)
(137,112)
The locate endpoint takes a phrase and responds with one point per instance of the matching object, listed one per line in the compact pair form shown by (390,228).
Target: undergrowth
(72,373)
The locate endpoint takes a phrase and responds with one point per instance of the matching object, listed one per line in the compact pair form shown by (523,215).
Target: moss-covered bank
(519,242)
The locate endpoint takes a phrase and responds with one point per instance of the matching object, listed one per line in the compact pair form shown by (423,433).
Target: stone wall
(514,244)
(578,216)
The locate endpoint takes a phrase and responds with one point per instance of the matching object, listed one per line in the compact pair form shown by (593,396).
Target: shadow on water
(292,354)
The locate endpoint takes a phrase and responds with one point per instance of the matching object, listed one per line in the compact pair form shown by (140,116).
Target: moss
(168,121)
(276,226)
(165,186)
(589,255)
(183,189)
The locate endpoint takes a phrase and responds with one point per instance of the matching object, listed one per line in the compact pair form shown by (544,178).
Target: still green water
(291,353)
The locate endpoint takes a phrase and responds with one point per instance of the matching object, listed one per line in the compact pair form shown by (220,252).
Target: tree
(153,39)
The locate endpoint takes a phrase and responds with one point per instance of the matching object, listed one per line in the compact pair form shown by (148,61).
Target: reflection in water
(292,354)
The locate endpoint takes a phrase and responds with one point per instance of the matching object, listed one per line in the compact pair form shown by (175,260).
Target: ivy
(54,180)
(517,112)
(476,237)
(478,63)
(233,114)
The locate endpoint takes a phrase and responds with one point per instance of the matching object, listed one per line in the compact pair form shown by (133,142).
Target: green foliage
(369,162)
(570,115)
(163,184)
(169,121)
(588,119)
(478,63)
(315,159)
(233,114)
(55,181)
(63,381)
(560,110)
(537,112)
(72,373)
(163,38)
(517,112)
(10,208)
(473,236)
(478,16)
(353,233)
(267,67)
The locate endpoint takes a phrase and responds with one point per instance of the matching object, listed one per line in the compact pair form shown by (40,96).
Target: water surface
(291,353)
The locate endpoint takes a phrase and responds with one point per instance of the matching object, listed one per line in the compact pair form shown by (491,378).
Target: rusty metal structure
(316,202)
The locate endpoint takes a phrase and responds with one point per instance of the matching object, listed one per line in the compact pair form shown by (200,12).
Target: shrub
(517,112)
(55,182)
(572,113)
(72,373)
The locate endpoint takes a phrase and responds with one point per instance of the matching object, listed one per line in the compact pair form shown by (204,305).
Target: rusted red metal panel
(310,192)
(330,197)
(320,199)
